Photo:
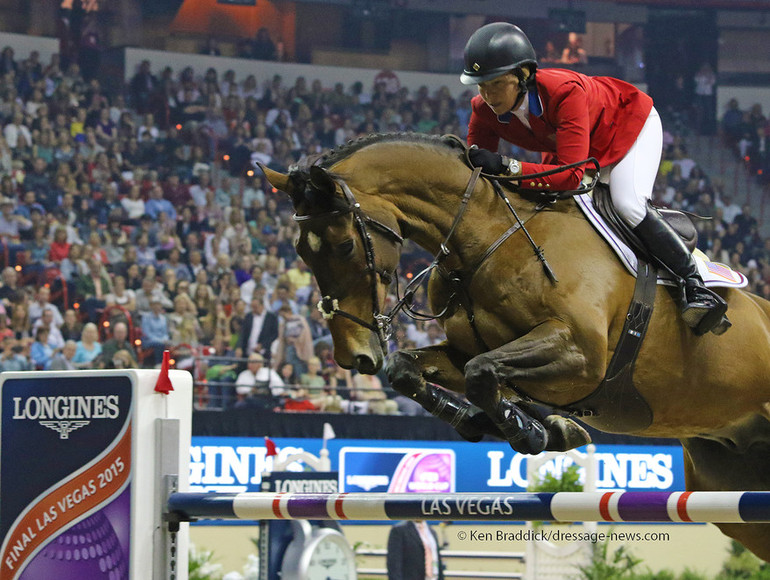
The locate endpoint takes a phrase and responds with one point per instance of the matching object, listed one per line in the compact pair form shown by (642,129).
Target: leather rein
(382,324)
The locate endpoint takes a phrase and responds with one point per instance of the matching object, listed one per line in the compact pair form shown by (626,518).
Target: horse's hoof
(564,433)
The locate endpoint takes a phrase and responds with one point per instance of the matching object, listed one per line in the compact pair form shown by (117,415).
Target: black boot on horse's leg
(702,309)
(470,422)
(523,433)
(482,387)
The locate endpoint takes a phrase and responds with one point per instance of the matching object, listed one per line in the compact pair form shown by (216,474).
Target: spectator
(55,339)
(150,291)
(118,341)
(10,291)
(259,379)
(42,303)
(263,47)
(15,129)
(282,297)
(11,226)
(201,188)
(732,123)
(312,378)
(155,333)
(157,205)
(705,99)
(93,288)
(133,205)
(12,358)
(249,286)
(368,390)
(550,54)
(177,193)
(183,324)
(295,344)
(72,328)
(88,348)
(745,221)
(574,53)
(122,359)
(259,331)
(41,352)
(413,552)
(143,86)
(63,360)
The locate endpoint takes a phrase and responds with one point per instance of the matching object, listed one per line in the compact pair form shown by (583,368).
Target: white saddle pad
(714,274)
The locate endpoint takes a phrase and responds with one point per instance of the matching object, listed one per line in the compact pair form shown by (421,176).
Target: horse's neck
(423,190)
(432,210)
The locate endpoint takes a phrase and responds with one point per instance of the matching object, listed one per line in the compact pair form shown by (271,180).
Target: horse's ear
(321,181)
(280,181)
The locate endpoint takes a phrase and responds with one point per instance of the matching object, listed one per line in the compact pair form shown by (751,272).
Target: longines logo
(65,414)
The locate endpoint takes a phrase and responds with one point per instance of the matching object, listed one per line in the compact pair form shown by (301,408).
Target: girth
(616,405)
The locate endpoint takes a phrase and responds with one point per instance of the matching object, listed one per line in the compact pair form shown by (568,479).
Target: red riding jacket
(572,117)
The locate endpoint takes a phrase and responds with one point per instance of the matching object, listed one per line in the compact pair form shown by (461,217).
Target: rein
(383,323)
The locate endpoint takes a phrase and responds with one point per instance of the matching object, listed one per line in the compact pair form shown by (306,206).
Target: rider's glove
(493,163)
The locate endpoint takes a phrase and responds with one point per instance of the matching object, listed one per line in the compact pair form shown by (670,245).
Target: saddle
(680,221)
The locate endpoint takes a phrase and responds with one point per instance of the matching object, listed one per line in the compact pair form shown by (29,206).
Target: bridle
(382,326)
(329,307)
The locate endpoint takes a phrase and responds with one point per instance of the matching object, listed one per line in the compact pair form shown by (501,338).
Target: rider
(569,117)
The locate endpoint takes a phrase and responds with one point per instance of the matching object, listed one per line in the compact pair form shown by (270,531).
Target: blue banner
(236,464)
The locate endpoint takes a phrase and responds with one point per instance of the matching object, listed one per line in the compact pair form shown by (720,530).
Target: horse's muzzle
(367,365)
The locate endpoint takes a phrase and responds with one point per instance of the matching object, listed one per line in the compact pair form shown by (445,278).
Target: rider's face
(500,93)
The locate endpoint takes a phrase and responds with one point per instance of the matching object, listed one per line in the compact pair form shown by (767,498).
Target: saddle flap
(679,221)
(713,273)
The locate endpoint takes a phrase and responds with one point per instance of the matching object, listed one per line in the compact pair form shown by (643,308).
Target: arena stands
(138,212)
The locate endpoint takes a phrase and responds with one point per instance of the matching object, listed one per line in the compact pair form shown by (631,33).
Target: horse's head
(353,252)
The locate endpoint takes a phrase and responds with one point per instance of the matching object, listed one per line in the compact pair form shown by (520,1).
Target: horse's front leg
(412,372)
(547,352)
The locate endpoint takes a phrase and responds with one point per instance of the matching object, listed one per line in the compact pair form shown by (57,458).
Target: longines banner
(65,477)
(235,464)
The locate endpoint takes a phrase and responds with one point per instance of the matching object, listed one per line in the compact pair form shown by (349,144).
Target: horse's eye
(345,249)
(386,277)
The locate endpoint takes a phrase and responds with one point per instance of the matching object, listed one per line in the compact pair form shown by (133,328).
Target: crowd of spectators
(132,223)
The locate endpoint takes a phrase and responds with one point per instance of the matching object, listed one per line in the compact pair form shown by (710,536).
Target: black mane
(335,155)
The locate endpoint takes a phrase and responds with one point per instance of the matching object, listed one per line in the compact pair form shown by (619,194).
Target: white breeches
(632,178)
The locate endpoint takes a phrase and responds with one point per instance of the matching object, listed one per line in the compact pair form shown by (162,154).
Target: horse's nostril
(365,365)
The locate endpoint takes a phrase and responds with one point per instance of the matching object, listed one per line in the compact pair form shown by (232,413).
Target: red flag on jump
(164,382)
(271,450)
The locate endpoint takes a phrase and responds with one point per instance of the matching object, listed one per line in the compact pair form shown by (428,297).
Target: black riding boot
(702,309)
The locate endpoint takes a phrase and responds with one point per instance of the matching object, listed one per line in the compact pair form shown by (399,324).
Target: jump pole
(612,506)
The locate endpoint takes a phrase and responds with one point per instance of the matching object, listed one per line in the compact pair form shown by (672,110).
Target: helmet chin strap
(519,74)
(523,87)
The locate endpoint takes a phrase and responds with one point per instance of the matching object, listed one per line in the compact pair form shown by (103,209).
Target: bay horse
(516,338)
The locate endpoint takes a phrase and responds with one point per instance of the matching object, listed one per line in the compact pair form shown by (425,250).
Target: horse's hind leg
(409,372)
(721,465)
(547,352)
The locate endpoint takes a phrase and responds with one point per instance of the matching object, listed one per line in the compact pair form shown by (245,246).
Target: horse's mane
(337,154)
(309,198)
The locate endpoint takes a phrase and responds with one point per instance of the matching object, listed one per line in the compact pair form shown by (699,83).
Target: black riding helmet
(495,49)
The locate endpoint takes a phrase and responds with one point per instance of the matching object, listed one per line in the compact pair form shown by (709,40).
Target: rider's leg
(631,183)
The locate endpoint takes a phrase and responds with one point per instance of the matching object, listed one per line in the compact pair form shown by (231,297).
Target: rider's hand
(489,162)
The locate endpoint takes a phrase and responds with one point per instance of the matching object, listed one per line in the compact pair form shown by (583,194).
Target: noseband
(329,306)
